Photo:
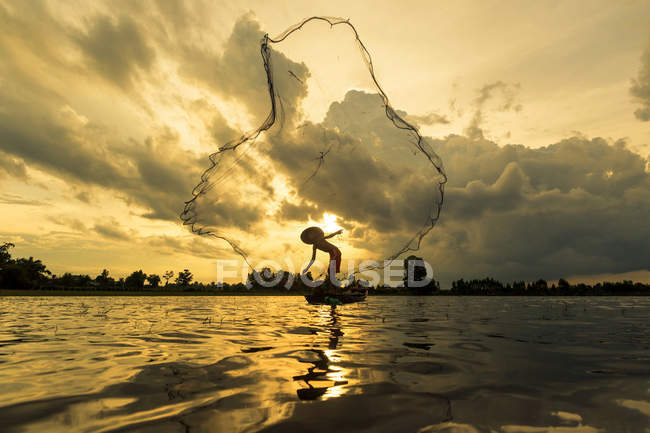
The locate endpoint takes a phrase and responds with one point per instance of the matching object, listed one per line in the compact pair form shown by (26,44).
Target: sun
(328,222)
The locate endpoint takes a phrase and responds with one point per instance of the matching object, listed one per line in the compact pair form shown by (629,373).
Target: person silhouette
(316,237)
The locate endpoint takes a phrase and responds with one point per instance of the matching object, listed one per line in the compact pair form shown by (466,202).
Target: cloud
(476,197)
(508,92)
(194,246)
(83,196)
(215,124)
(12,167)
(155,174)
(30,28)
(578,206)
(428,119)
(43,134)
(112,229)
(236,72)
(72,223)
(641,88)
(116,49)
(301,211)
(42,128)
(574,207)
(13,199)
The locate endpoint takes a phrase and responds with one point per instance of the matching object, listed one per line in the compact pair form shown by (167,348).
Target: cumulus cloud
(572,208)
(641,88)
(390,191)
(575,207)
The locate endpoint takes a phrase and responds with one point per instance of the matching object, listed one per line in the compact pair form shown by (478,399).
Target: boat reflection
(324,379)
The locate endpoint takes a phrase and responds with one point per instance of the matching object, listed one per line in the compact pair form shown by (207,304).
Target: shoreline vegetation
(30,277)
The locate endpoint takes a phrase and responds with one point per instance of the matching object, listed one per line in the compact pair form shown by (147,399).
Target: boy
(316,237)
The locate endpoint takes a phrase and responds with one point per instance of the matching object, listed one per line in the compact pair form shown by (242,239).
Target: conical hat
(311,235)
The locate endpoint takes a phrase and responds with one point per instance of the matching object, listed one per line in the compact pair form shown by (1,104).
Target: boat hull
(335,299)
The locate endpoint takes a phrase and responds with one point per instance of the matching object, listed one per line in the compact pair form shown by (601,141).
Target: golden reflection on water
(326,379)
(248,363)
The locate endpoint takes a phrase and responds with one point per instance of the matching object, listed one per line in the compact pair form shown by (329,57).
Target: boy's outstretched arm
(334,234)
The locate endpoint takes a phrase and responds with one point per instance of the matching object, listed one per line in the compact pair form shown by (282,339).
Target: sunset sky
(540,112)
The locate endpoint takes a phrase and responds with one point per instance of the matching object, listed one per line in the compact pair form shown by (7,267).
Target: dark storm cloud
(579,206)
(116,49)
(236,71)
(38,133)
(156,173)
(164,177)
(477,197)
(160,173)
(576,207)
(349,182)
(641,88)
(37,126)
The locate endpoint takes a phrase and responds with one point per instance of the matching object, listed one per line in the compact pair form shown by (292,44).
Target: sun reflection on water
(325,379)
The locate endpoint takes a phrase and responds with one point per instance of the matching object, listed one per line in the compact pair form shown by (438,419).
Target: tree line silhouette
(492,287)
(32,274)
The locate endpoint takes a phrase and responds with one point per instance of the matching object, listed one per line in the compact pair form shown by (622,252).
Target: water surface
(274,364)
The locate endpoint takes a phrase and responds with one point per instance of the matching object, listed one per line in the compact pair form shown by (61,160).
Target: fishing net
(363,167)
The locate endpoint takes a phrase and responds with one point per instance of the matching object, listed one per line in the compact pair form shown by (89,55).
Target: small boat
(336,299)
